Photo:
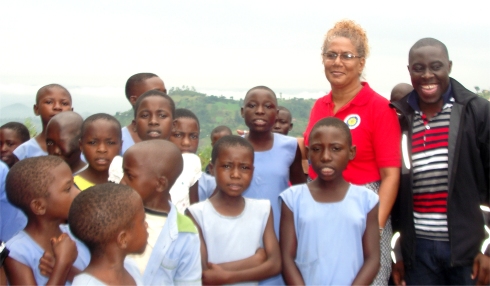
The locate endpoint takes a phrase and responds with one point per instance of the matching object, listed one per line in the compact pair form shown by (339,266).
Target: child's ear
(290,126)
(162,184)
(133,123)
(36,109)
(307,152)
(38,206)
(352,152)
(241,111)
(132,99)
(122,239)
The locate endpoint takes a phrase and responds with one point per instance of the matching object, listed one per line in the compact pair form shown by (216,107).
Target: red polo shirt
(375,132)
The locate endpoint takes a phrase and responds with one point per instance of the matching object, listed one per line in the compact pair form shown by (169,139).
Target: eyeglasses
(331,56)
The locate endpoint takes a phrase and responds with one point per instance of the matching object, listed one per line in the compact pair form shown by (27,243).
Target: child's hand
(64,249)
(215,275)
(46,263)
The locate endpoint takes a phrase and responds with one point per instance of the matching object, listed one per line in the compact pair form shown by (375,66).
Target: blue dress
(329,235)
(206,187)
(29,149)
(26,251)
(271,177)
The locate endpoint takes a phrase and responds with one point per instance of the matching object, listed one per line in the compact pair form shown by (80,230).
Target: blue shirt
(176,257)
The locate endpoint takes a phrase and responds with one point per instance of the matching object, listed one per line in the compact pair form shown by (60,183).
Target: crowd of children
(147,215)
(164,221)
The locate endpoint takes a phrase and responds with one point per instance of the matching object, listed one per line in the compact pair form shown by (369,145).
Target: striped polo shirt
(430,170)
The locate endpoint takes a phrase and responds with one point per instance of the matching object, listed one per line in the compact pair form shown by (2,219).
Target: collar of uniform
(413,99)
(362,98)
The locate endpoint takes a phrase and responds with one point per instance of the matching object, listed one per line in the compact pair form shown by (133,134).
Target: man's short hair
(428,42)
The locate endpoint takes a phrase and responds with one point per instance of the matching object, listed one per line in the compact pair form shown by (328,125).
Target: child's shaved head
(46,88)
(100,212)
(160,156)
(334,122)
(29,179)
(230,141)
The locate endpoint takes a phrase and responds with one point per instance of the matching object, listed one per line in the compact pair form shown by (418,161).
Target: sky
(221,47)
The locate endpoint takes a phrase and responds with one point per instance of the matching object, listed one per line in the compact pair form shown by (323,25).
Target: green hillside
(214,110)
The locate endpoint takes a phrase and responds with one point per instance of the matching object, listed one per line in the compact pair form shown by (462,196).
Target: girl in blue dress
(329,228)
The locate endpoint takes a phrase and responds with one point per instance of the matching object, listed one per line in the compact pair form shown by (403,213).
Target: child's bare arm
(259,257)
(18,273)
(204,249)
(289,246)
(371,252)
(296,174)
(65,253)
(194,193)
(270,267)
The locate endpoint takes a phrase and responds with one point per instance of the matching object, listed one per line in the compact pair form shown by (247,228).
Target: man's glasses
(331,56)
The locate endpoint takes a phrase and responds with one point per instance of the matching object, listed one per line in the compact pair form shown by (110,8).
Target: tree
(31,127)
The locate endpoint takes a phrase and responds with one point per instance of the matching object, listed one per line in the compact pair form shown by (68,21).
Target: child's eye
(250,105)
(144,115)
(177,135)
(226,166)
(65,103)
(194,137)
(162,115)
(92,142)
(49,143)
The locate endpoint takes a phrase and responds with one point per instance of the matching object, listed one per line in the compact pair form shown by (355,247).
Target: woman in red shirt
(373,124)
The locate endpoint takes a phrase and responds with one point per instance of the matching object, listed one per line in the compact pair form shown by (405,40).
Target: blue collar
(413,98)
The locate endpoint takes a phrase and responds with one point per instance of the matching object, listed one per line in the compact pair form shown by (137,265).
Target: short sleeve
(288,198)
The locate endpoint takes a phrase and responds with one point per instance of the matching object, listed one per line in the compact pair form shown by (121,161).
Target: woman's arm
(272,266)
(289,246)
(388,190)
(296,174)
(370,249)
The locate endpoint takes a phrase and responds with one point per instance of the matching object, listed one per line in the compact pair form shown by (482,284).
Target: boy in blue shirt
(172,255)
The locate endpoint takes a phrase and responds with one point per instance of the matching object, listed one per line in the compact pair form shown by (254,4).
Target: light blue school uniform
(176,257)
(271,177)
(85,279)
(26,251)
(29,149)
(127,140)
(12,219)
(329,235)
(206,187)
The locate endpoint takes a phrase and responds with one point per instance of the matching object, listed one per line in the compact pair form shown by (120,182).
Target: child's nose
(326,156)
(153,120)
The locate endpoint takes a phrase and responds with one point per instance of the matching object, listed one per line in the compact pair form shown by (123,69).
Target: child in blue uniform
(110,220)
(185,134)
(100,142)
(42,187)
(12,135)
(235,231)
(63,134)
(51,99)
(329,228)
(136,85)
(172,255)
(277,157)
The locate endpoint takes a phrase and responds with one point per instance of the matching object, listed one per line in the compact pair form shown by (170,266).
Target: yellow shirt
(81,183)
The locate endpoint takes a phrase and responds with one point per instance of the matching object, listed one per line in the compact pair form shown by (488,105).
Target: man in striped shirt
(445,175)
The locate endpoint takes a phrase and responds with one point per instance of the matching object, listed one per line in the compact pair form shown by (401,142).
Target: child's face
(283,123)
(9,140)
(329,152)
(216,136)
(100,144)
(153,83)
(185,135)
(139,176)
(61,192)
(233,170)
(259,110)
(153,119)
(138,231)
(63,143)
(52,102)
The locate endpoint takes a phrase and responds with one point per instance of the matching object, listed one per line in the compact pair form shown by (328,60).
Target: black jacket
(469,176)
